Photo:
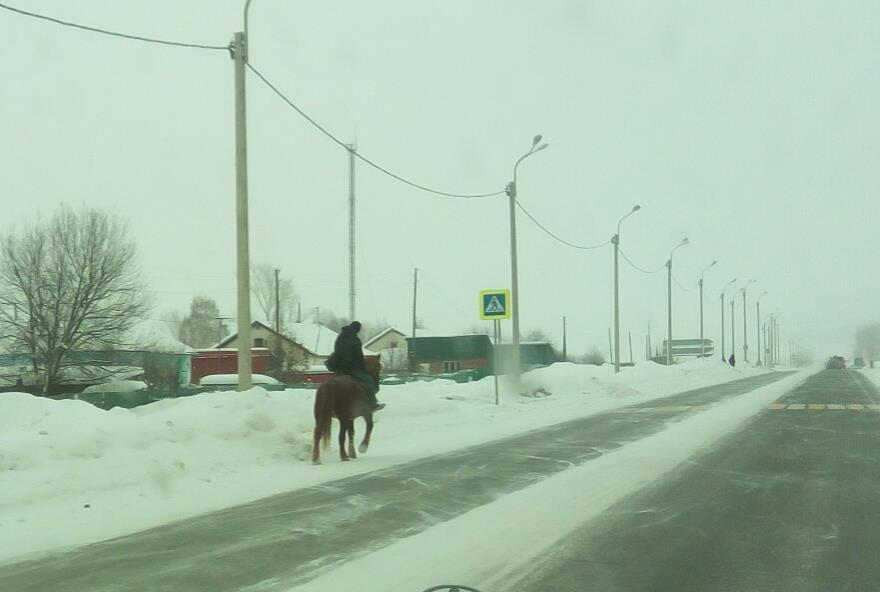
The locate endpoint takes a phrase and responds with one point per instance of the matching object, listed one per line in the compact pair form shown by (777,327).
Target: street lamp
(514,284)
(723,352)
(745,322)
(758,322)
(669,301)
(616,240)
(703,345)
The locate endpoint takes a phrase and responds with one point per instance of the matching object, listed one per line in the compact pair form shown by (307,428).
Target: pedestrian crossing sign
(495,304)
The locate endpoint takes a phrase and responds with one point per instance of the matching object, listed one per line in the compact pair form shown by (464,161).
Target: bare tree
(69,283)
(593,357)
(202,328)
(263,290)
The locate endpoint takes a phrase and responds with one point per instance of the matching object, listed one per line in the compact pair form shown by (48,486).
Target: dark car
(835,363)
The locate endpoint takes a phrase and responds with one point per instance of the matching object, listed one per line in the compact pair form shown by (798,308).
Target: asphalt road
(284,540)
(789,503)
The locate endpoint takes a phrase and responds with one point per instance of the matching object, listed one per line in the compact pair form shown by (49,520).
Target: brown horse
(345,399)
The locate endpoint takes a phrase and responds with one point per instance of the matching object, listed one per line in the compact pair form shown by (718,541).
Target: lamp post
(702,345)
(239,49)
(514,284)
(745,322)
(758,323)
(616,240)
(669,301)
(723,351)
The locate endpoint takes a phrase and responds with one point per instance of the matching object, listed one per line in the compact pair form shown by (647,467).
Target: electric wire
(628,260)
(358,155)
(112,33)
(675,279)
(555,237)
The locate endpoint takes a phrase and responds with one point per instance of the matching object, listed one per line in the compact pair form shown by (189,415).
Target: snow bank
(71,473)
(117,386)
(486,547)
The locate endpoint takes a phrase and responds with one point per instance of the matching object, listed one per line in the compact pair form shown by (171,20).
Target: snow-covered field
(71,473)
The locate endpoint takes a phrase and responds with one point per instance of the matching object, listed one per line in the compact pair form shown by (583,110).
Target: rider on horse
(348,358)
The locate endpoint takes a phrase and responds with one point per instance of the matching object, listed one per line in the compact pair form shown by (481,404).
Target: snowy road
(288,539)
(789,503)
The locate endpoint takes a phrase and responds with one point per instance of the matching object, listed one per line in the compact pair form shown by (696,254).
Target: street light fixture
(683,242)
(723,352)
(616,240)
(702,345)
(514,284)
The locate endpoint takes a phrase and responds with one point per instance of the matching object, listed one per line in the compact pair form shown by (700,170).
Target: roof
(315,338)
(454,347)
(382,334)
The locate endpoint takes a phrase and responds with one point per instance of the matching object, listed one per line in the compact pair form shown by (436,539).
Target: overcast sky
(749,127)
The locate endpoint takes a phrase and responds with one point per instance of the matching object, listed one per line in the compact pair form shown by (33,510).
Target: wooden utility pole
(277,304)
(564,344)
(415,298)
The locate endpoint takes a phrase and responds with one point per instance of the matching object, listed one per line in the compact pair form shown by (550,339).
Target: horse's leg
(316,447)
(351,452)
(343,428)
(366,443)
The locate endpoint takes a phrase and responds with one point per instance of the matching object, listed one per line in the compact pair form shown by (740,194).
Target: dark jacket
(348,352)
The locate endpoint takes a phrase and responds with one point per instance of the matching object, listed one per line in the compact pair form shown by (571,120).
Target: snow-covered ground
(71,473)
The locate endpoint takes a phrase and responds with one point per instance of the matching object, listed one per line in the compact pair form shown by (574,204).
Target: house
(449,354)
(297,355)
(390,344)
(307,345)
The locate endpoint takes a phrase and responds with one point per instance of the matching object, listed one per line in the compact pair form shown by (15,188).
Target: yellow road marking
(874,407)
(782,406)
(816,406)
(855,406)
(797,406)
(836,406)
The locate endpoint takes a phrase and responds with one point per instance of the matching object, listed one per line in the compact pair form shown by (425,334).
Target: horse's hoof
(316,462)
(362,448)
(346,459)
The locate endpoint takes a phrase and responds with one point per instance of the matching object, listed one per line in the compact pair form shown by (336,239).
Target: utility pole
(220,328)
(770,349)
(702,344)
(610,347)
(299,312)
(723,352)
(277,304)
(745,330)
(564,343)
(415,298)
(616,241)
(239,56)
(630,346)
(732,326)
(352,292)
(758,326)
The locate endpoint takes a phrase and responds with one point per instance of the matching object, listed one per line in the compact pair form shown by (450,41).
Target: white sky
(748,127)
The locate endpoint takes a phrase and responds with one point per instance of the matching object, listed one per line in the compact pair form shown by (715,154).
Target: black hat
(355,326)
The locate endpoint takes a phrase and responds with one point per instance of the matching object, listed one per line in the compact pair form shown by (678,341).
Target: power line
(552,235)
(675,279)
(358,155)
(112,33)
(628,260)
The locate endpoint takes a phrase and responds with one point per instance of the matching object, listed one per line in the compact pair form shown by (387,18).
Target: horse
(345,399)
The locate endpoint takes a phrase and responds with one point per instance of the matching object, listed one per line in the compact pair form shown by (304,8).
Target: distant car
(835,363)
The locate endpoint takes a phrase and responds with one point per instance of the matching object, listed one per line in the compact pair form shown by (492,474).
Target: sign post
(494,306)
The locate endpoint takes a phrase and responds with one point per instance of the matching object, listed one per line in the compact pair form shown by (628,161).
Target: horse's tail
(323,416)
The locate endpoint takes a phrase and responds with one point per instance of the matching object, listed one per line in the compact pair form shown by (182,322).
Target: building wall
(437,367)
(388,341)
(287,353)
